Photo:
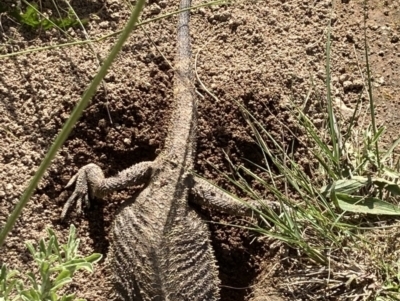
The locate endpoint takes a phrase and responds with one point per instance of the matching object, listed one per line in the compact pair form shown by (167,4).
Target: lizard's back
(161,247)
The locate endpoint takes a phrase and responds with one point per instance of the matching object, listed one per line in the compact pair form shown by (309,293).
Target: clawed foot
(84,188)
(90,183)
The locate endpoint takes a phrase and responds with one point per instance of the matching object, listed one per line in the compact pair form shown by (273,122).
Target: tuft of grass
(332,214)
(56,265)
(31,17)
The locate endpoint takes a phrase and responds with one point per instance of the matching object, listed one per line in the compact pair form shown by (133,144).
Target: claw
(81,192)
(79,206)
(87,201)
(90,183)
(72,180)
(67,205)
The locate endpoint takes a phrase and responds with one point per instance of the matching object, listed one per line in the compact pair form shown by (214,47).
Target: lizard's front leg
(90,182)
(211,196)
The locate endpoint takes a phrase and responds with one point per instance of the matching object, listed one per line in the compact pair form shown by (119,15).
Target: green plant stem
(371,101)
(332,125)
(77,112)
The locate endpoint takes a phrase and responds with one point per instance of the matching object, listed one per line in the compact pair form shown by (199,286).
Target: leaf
(63,274)
(349,186)
(367,205)
(95,257)
(77,266)
(3,272)
(333,196)
(42,248)
(60,283)
(346,186)
(30,247)
(31,295)
(44,269)
(390,172)
(32,18)
(70,297)
(11,274)
(11,286)
(392,187)
(56,247)
(62,279)
(49,248)
(391,149)
(32,279)
(53,296)
(72,244)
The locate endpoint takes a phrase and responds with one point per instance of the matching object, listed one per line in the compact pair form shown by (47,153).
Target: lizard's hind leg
(91,183)
(211,196)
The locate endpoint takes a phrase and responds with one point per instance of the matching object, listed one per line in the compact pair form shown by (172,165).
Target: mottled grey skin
(160,246)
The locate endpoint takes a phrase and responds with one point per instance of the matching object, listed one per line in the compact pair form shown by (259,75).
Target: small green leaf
(51,232)
(30,248)
(11,274)
(378,134)
(3,272)
(63,274)
(61,283)
(392,187)
(391,149)
(53,296)
(56,248)
(72,234)
(346,186)
(74,248)
(333,196)
(50,245)
(77,266)
(62,278)
(30,17)
(32,279)
(31,294)
(45,267)
(10,287)
(368,205)
(390,173)
(42,248)
(69,298)
(74,262)
(95,257)
(72,244)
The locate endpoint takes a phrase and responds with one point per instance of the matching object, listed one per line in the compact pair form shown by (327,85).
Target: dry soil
(261,53)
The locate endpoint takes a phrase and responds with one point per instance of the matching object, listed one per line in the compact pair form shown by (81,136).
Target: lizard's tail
(180,144)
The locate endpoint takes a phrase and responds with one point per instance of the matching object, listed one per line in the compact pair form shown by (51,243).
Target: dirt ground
(261,53)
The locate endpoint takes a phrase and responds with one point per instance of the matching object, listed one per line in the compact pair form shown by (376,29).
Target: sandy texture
(261,53)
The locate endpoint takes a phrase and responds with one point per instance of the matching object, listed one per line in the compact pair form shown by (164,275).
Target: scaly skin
(160,246)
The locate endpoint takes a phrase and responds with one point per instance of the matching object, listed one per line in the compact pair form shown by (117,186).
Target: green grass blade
(71,121)
(371,100)
(390,150)
(332,122)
